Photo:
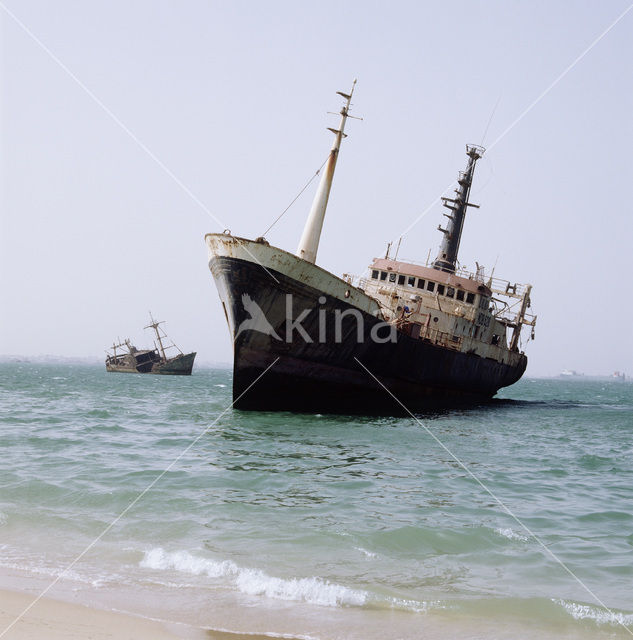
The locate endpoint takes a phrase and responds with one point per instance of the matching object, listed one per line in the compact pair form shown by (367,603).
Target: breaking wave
(595,614)
(511,534)
(367,554)
(185,562)
(255,581)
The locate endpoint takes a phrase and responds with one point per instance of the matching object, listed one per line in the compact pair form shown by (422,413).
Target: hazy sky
(232,99)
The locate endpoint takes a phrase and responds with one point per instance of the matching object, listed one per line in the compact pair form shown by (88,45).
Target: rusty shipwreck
(124,357)
(404,335)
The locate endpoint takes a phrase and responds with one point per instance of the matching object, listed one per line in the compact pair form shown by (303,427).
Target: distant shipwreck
(129,359)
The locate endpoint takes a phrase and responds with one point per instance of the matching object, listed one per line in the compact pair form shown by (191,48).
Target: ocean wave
(185,562)
(595,614)
(415,606)
(54,572)
(311,590)
(439,540)
(265,634)
(256,582)
(511,534)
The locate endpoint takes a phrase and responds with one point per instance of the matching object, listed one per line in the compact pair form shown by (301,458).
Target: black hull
(327,376)
(177,366)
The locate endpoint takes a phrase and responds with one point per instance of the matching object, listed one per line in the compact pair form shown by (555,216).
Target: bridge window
(401,279)
(411,281)
(470,298)
(383,275)
(392,277)
(420,283)
(440,289)
(374,274)
(460,294)
(450,292)
(430,286)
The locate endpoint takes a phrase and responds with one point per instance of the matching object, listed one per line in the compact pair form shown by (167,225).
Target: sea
(151,495)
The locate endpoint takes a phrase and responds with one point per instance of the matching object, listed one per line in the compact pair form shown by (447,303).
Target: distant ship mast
(155,325)
(447,256)
(309,243)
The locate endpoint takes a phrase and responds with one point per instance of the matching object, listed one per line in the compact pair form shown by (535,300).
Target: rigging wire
(278,218)
(450,186)
(494,109)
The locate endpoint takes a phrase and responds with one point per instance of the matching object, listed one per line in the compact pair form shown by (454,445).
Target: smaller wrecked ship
(129,359)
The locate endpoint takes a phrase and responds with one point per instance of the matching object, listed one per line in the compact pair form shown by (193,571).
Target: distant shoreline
(95,361)
(87,360)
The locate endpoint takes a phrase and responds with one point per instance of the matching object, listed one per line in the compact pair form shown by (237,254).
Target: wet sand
(55,620)
(50,619)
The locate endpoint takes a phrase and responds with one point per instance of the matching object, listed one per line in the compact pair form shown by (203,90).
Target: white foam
(220,385)
(3,518)
(415,606)
(256,582)
(596,614)
(267,634)
(368,554)
(183,561)
(511,535)
(311,590)
(65,574)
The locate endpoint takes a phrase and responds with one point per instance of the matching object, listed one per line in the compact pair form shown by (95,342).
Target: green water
(321,526)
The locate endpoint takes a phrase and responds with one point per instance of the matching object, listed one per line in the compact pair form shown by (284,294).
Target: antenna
(494,109)
(154,325)
(494,267)
(309,243)
(398,248)
(447,256)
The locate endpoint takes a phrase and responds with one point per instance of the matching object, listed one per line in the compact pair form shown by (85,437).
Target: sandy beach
(52,620)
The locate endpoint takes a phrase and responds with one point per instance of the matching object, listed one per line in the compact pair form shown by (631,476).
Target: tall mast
(516,334)
(309,243)
(154,325)
(447,256)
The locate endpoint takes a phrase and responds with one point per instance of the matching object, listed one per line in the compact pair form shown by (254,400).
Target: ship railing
(507,288)
(511,318)
(507,314)
(498,285)
(428,334)
(352,279)
(462,272)
(441,338)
